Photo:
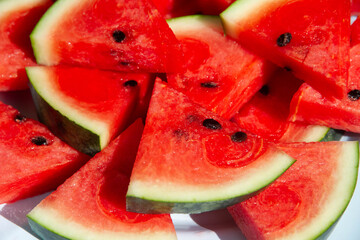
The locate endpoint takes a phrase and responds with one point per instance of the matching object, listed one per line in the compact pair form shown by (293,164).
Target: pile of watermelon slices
(151,108)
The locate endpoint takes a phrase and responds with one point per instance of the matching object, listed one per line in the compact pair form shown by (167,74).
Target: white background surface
(206,226)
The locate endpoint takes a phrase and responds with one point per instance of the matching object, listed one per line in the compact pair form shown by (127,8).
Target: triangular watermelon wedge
(310,107)
(91,204)
(33,161)
(308,198)
(221,75)
(87,108)
(311,38)
(116,35)
(190,160)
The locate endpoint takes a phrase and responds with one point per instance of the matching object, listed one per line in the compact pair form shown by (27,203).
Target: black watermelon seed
(209,84)
(118,36)
(288,69)
(264,90)
(354,95)
(211,124)
(130,83)
(39,141)
(19,118)
(125,63)
(239,137)
(284,39)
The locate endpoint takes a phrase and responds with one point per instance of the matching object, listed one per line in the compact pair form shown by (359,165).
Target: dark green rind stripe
(70,132)
(333,135)
(43,232)
(139,205)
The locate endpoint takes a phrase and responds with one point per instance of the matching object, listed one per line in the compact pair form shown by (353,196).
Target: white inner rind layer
(41,37)
(40,80)
(248,179)
(314,133)
(194,22)
(242,14)
(9,6)
(52,219)
(337,200)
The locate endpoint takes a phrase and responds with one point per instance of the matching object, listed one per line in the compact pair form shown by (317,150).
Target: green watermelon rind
(43,221)
(155,197)
(332,135)
(43,232)
(90,135)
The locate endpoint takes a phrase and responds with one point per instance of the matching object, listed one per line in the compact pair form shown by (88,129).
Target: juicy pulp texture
(311,107)
(266,114)
(177,145)
(17,20)
(91,204)
(308,198)
(221,75)
(33,160)
(311,41)
(68,34)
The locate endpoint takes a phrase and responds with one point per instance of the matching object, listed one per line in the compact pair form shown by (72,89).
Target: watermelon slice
(221,75)
(91,204)
(310,107)
(266,115)
(115,35)
(311,41)
(308,198)
(17,20)
(33,160)
(191,160)
(86,120)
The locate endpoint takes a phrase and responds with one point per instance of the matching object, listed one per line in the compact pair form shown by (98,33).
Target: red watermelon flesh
(213,7)
(311,41)
(355,32)
(17,20)
(91,204)
(304,202)
(176,8)
(311,107)
(33,160)
(221,75)
(267,112)
(126,36)
(355,7)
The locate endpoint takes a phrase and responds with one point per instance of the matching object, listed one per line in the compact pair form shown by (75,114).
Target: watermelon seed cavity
(211,124)
(209,84)
(239,137)
(264,90)
(39,141)
(118,36)
(19,118)
(284,39)
(354,95)
(130,83)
